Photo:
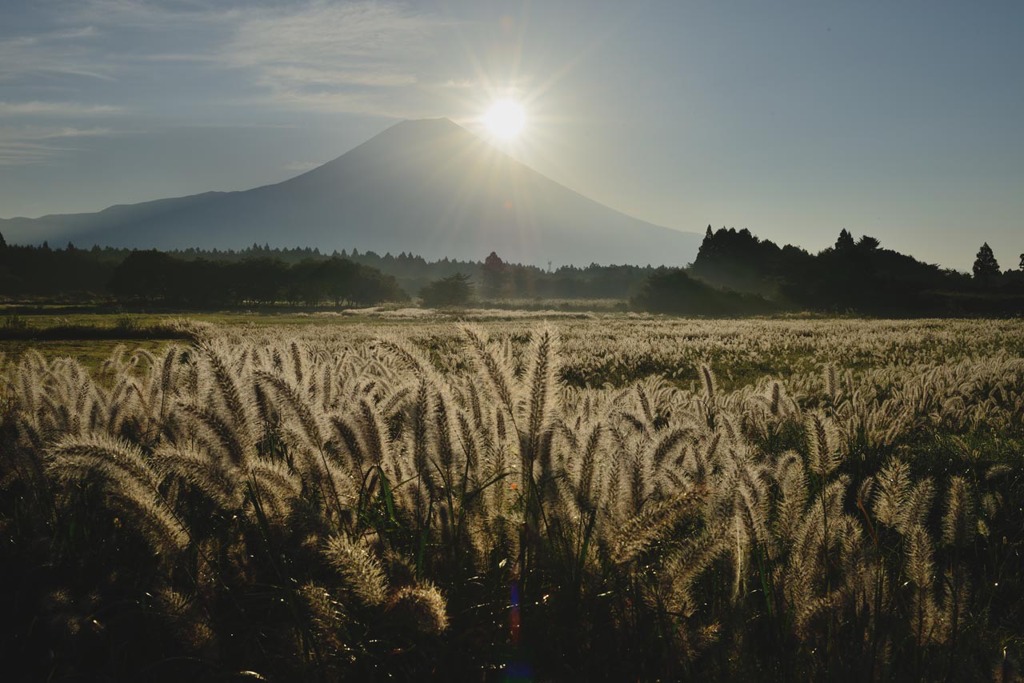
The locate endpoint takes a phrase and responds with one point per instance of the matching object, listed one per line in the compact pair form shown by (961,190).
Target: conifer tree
(845,240)
(986,268)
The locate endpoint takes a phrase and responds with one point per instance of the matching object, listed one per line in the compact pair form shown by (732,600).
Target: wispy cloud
(355,57)
(283,75)
(58,109)
(368,56)
(53,53)
(71,132)
(460,84)
(106,39)
(301,166)
(182,58)
(146,14)
(28,145)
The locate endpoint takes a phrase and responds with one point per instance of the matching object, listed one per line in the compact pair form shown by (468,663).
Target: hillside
(428,187)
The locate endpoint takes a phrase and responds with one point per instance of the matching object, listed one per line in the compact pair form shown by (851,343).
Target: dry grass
(335,503)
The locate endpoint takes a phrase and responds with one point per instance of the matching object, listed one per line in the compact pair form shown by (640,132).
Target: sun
(505,119)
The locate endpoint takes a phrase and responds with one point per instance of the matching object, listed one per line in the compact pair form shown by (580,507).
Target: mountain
(427,187)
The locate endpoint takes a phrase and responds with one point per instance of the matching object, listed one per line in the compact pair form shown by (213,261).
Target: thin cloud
(75,33)
(29,154)
(98,39)
(65,52)
(58,109)
(460,84)
(382,102)
(143,14)
(30,145)
(356,57)
(68,132)
(307,76)
(369,57)
(182,57)
(302,166)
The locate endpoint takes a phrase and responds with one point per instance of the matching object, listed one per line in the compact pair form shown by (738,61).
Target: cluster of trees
(490,279)
(854,276)
(454,290)
(494,279)
(190,280)
(55,273)
(302,275)
(735,273)
(156,277)
(673,291)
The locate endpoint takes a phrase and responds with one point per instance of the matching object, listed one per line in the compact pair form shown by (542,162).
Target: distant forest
(734,273)
(855,276)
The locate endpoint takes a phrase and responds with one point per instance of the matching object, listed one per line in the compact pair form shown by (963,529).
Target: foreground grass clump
(324,509)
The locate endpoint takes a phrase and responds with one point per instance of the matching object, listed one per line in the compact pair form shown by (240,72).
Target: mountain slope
(427,187)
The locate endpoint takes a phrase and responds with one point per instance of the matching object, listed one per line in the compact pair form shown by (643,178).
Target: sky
(903,120)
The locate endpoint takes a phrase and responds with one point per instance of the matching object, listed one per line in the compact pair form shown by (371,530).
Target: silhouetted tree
(453,290)
(986,268)
(845,240)
(143,275)
(737,259)
(259,280)
(867,243)
(494,275)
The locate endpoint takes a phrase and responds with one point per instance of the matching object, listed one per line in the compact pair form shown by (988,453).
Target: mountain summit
(426,187)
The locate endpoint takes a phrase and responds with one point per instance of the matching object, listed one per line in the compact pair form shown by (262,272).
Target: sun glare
(505,119)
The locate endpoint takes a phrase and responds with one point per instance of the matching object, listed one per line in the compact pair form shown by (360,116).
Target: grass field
(495,495)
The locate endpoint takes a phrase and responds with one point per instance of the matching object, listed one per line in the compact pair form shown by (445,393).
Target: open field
(498,496)
(599,347)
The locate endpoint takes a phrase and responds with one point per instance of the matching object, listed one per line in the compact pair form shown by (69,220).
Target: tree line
(261,274)
(155,278)
(852,276)
(734,273)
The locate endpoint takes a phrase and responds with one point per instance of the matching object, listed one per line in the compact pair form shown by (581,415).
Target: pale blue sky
(898,119)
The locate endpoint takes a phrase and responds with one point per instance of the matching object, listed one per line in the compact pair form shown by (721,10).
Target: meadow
(489,495)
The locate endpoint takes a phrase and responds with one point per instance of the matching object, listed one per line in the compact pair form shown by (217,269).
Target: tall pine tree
(986,268)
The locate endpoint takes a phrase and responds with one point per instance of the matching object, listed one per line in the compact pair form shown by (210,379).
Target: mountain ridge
(423,186)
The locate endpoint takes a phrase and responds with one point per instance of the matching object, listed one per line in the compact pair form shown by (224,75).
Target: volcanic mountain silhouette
(426,187)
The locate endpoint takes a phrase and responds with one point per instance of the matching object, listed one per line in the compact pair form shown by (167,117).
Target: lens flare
(505,119)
